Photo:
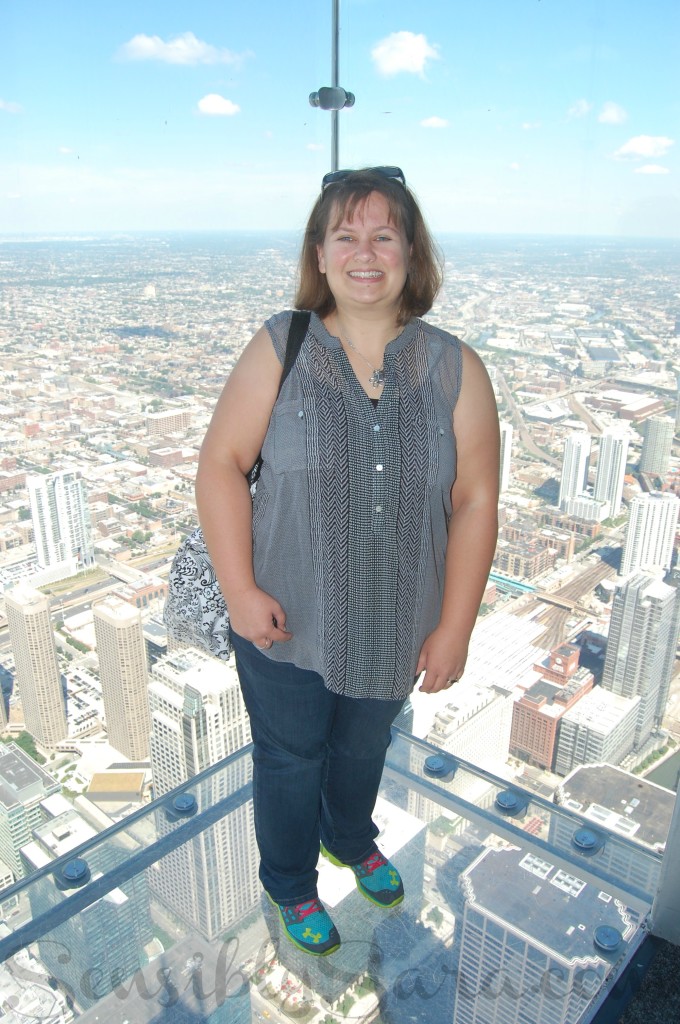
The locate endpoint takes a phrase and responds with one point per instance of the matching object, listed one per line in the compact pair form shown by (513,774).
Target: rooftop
(21,779)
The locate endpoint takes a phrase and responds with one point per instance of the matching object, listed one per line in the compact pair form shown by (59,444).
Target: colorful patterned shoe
(377,879)
(309,927)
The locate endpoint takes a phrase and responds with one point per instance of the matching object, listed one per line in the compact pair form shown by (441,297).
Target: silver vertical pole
(333,97)
(335,81)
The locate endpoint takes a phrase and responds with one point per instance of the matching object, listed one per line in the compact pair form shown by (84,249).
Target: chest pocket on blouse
(446,474)
(288,437)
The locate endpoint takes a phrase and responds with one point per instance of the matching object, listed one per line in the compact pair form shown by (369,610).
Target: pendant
(377,378)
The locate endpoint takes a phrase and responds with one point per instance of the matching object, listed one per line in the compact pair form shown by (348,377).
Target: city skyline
(114,353)
(522,118)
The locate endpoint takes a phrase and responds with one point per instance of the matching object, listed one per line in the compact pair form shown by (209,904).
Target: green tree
(27,744)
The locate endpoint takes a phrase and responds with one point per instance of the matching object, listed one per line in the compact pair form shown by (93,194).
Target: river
(667,773)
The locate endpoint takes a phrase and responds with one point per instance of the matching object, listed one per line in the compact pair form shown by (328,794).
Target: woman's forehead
(360,208)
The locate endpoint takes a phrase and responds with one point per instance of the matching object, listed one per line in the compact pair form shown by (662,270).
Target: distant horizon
(123,233)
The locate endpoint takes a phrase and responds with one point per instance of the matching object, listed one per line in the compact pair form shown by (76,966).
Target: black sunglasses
(333,177)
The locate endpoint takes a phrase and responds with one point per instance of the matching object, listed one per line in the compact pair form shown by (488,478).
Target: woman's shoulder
(439,334)
(278,327)
(279,322)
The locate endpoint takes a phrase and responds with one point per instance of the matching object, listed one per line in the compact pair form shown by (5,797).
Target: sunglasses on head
(333,177)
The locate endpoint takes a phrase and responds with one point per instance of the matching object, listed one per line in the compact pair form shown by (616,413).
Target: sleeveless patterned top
(351,511)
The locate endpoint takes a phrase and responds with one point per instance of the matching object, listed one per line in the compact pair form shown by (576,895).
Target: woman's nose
(365,249)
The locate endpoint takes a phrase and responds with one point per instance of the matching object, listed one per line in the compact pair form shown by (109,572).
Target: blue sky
(522,116)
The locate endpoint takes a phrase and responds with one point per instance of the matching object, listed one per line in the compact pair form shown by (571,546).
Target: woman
(362,559)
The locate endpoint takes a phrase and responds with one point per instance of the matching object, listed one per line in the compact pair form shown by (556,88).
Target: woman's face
(365,259)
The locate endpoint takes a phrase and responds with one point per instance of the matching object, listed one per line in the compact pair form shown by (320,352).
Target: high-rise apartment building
(37,669)
(574,476)
(642,629)
(506,453)
(601,727)
(655,457)
(611,468)
(102,945)
(23,787)
(625,804)
(123,674)
(61,519)
(650,534)
(527,919)
(169,421)
(198,718)
(673,580)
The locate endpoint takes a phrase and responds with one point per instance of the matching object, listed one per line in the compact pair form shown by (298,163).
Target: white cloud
(403,51)
(315,147)
(579,109)
(11,108)
(183,49)
(64,150)
(514,167)
(529,126)
(214,105)
(642,146)
(652,169)
(434,122)
(612,113)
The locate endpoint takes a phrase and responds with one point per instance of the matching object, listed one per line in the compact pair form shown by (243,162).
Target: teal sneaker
(309,927)
(377,878)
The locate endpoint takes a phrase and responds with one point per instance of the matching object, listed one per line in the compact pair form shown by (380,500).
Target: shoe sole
(364,892)
(304,949)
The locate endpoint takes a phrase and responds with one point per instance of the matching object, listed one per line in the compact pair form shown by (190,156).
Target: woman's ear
(320,258)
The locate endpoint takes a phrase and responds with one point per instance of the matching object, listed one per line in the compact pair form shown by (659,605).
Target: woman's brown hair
(341,199)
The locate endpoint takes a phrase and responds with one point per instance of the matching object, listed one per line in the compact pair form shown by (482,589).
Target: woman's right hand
(258,617)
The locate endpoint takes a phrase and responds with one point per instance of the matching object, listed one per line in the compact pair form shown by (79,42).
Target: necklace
(377,378)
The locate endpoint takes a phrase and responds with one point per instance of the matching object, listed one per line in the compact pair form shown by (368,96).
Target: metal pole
(335,82)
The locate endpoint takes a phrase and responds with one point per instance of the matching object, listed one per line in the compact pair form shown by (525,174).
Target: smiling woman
(377,575)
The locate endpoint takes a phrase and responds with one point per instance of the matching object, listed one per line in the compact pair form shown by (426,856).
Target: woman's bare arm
(473,528)
(229,451)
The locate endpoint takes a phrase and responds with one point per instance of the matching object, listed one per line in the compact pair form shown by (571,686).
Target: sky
(507,116)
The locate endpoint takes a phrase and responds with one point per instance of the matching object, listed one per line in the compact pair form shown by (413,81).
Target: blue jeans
(318,760)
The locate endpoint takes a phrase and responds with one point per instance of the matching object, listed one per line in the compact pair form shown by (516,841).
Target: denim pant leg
(291,713)
(358,743)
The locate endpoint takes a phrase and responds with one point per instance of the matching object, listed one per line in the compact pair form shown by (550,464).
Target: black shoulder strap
(296,335)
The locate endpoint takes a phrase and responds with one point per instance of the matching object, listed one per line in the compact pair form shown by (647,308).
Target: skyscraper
(122,670)
(506,452)
(656,446)
(643,628)
(528,921)
(37,668)
(574,466)
(103,944)
(61,519)
(650,533)
(672,579)
(24,785)
(611,468)
(197,719)
(601,727)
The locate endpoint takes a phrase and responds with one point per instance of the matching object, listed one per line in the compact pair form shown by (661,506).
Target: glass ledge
(507,917)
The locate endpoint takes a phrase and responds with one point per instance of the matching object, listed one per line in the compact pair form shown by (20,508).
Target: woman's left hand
(442,659)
